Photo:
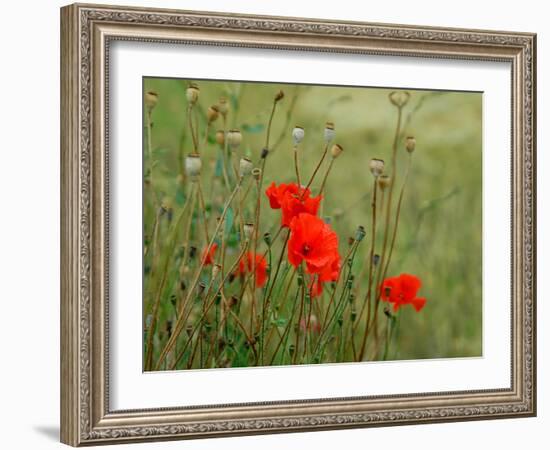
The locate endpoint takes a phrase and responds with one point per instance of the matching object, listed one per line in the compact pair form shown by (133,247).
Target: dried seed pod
(223,106)
(151,100)
(298,134)
(376,167)
(212,113)
(257,173)
(216,268)
(220,137)
(410,144)
(384,182)
(192,93)
(336,151)
(193,165)
(248,230)
(234,138)
(245,167)
(329,132)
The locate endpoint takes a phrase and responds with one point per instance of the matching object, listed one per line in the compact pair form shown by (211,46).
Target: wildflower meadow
(293,224)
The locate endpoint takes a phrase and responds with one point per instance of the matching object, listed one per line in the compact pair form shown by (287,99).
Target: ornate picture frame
(87,31)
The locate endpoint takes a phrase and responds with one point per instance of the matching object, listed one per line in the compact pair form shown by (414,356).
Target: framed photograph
(277,224)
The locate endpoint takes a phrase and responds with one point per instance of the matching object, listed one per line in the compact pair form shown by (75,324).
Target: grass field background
(439,237)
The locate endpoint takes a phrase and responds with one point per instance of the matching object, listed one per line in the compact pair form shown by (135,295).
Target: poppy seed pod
(376,167)
(213,113)
(248,229)
(410,144)
(383,182)
(216,268)
(192,93)
(298,134)
(256,173)
(245,167)
(193,165)
(223,106)
(220,137)
(329,132)
(360,233)
(279,96)
(151,100)
(336,151)
(234,138)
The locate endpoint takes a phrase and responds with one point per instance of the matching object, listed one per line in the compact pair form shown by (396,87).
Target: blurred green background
(439,238)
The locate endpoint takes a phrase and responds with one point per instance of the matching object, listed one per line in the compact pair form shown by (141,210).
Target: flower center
(305,249)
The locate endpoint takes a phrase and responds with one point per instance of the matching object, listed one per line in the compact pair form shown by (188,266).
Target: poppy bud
(248,229)
(264,153)
(279,96)
(192,93)
(173,299)
(220,137)
(375,259)
(223,106)
(383,182)
(183,286)
(329,132)
(376,167)
(387,312)
(267,238)
(298,134)
(234,138)
(410,144)
(245,167)
(212,113)
(340,320)
(353,315)
(193,165)
(336,150)
(192,251)
(151,100)
(291,349)
(256,173)
(360,233)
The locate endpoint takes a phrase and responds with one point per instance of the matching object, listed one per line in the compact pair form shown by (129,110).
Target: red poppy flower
(293,200)
(313,241)
(207,256)
(328,274)
(401,291)
(246,265)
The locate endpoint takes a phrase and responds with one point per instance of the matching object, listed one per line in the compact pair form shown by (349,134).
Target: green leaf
(280,322)
(180,196)
(257,128)
(218,170)
(229,216)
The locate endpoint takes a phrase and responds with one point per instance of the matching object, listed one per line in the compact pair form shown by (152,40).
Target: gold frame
(86,31)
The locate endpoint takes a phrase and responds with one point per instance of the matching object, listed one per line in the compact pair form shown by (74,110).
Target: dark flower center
(305,249)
